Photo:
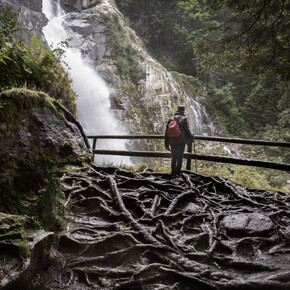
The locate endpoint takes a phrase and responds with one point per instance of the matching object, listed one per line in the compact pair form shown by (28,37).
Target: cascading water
(93,101)
(201,123)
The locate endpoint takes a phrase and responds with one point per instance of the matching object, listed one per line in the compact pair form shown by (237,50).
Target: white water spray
(93,101)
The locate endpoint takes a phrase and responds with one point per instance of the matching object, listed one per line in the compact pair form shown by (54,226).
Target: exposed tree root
(146,231)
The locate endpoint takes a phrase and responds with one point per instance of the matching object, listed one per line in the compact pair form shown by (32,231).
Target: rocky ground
(145,231)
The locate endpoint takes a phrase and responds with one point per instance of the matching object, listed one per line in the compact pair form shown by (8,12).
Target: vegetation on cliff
(241,100)
(233,98)
(32,66)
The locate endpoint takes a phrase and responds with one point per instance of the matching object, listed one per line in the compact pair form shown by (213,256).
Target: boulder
(37,135)
(244,224)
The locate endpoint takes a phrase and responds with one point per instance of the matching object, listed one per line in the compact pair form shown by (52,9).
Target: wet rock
(34,5)
(22,254)
(247,224)
(158,90)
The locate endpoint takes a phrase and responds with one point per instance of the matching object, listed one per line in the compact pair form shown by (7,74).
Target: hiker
(176,143)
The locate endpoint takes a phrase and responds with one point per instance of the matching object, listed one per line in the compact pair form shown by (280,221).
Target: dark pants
(177,151)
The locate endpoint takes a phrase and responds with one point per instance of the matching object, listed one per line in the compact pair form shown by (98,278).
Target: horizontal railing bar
(222,159)
(126,137)
(198,137)
(244,141)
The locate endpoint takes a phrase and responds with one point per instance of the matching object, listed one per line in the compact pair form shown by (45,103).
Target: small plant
(35,281)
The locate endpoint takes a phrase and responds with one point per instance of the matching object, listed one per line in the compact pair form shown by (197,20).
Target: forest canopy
(254,35)
(249,35)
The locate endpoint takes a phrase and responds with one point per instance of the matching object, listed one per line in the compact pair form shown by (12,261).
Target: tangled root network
(144,230)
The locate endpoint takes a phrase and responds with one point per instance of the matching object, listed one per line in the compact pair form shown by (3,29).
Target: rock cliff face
(31,17)
(75,5)
(143,93)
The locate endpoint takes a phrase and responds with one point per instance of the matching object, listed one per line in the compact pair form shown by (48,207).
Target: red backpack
(173,128)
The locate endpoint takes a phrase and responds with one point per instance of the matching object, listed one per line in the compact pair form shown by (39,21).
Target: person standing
(177,144)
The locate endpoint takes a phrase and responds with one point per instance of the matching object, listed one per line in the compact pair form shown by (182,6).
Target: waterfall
(201,124)
(93,101)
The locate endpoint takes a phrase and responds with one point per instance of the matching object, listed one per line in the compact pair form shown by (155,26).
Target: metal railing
(189,155)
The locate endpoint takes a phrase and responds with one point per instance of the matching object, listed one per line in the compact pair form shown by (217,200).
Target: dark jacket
(185,135)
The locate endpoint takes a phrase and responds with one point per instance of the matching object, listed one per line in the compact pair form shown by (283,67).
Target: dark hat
(180,109)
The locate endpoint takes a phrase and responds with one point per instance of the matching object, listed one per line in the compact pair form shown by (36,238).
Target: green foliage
(244,175)
(253,36)
(254,177)
(194,32)
(158,23)
(138,111)
(250,107)
(36,68)
(221,102)
(190,85)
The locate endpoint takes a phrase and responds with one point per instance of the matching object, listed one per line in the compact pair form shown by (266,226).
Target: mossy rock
(23,248)
(37,136)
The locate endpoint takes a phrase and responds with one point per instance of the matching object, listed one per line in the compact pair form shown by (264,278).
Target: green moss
(139,112)
(50,209)
(19,103)
(17,224)
(24,248)
(27,175)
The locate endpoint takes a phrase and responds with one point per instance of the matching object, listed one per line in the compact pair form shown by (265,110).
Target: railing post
(94,147)
(189,150)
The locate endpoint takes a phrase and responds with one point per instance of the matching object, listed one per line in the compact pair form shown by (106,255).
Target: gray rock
(35,5)
(247,224)
(30,17)
(74,5)
(150,98)
(37,137)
